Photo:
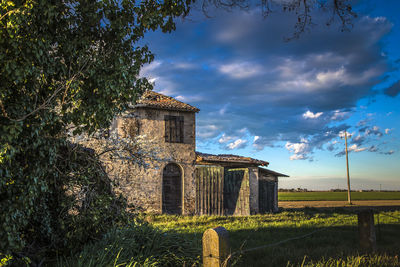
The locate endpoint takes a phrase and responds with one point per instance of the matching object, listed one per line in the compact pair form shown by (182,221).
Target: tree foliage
(65,64)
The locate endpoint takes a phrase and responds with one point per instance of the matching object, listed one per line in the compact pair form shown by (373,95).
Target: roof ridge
(229,158)
(154,99)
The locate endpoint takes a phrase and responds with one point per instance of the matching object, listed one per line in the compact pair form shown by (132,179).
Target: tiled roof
(203,157)
(266,171)
(152,99)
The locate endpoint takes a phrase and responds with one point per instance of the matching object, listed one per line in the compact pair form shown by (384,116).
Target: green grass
(341,196)
(136,245)
(335,245)
(166,240)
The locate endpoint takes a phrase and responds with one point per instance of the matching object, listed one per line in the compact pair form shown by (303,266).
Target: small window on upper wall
(173,129)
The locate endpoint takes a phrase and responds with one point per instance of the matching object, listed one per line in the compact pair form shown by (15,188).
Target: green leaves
(65,64)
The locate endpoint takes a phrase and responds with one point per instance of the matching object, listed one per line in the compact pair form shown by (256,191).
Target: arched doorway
(172,189)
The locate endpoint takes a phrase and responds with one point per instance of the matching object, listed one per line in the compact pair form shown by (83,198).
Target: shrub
(69,202)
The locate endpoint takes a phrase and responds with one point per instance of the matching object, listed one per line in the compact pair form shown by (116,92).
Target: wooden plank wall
(209,190)
(266,195)
(237,192)
(222,191)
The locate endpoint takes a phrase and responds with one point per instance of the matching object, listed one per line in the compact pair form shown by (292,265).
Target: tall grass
(136,245)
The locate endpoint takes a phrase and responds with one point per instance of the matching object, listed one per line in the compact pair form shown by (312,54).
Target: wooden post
(347,165)
(215,247)
(366,230)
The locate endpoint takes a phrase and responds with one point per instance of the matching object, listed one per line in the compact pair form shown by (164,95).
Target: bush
(68,202)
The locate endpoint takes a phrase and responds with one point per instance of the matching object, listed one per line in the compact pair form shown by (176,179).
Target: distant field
(338,196)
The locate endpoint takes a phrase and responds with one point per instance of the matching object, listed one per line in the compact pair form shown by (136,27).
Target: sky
(289,102)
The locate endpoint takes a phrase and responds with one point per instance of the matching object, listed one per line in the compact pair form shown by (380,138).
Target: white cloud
(184,66)
(225,138)
(241,70)
(223,109)
(300,150)
(239,143)
(374,130)
(146,70)
(310,115)
(297,157)
(189,99)
(356,148)
(296,148)
(338,115)
(330,76)
(207,131)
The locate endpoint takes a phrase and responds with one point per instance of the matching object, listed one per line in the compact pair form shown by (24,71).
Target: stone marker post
(366,230)
(215,247)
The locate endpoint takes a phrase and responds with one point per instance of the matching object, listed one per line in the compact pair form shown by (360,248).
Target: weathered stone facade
(143,186)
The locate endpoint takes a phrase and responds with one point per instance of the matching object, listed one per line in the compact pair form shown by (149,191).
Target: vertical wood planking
(221,191)
(200,191)
(196,186)
(211,178)
(209,190)
(203,202)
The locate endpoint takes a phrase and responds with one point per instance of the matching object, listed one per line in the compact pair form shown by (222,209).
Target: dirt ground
(357,204)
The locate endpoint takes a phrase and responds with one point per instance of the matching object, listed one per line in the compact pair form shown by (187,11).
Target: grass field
(324,195)
(335,245)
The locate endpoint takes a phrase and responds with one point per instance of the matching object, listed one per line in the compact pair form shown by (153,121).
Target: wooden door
(266,196)
(172,189)
(236,191)
(209,190)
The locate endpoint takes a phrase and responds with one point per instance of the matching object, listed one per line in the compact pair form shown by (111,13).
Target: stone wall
(143,186)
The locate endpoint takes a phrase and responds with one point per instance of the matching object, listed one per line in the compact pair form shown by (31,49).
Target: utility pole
(347,164)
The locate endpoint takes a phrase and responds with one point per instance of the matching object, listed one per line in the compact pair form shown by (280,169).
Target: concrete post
(215,247)
(366,230)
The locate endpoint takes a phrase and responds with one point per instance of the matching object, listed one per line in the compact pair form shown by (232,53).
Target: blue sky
(289,102)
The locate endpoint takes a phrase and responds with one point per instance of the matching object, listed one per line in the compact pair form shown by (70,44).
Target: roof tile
(203,157)
(152,99)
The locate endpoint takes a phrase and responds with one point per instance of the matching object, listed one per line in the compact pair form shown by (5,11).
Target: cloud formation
(309,115)
(241,74)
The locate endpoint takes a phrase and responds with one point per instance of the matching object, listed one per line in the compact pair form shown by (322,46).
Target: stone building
(186,181)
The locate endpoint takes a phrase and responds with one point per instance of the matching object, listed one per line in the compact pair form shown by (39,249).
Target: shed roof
(270,172)
(152,99)
(227,158)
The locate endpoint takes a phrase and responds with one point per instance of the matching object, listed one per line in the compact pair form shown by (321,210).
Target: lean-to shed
(234,185)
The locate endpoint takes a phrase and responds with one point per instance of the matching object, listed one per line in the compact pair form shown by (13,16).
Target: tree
(64,64)
(75,64)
